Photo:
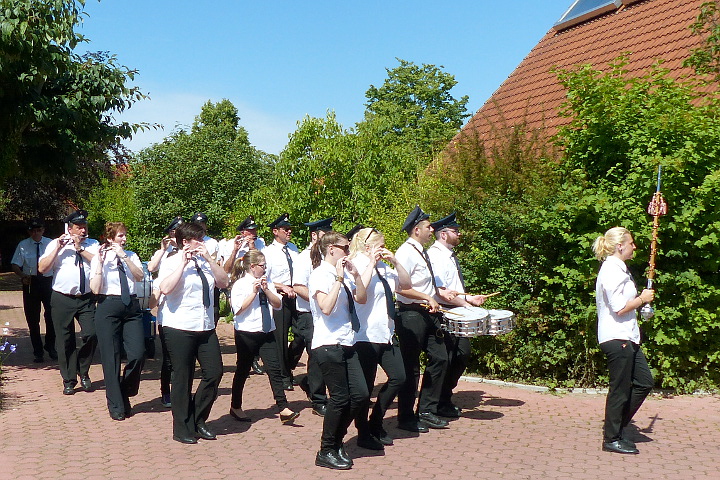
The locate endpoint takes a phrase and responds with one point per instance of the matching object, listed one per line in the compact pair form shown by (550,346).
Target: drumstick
(486,296)
(442,310)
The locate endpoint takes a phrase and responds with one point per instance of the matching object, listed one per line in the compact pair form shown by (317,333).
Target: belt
(80,295)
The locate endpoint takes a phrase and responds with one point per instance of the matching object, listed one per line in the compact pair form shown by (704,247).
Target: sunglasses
(372,230)
(344,248)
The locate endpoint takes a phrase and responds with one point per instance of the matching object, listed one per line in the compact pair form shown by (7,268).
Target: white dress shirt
(613,289)
(250,319)
(444,267)
(417,268)
(110,273)
(229,245)
(183,307)
(333,329)
(26,258)
(278,270)
(375,323)
(65,269)
(302,268)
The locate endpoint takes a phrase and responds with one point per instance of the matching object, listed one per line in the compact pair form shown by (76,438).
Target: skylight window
(582,10)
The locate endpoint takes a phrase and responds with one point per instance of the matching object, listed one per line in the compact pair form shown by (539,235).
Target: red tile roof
(650,30)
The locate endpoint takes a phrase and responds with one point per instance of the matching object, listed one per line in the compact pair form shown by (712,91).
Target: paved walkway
(504,433)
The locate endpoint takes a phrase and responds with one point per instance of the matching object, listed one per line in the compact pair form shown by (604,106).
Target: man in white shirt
(68,258)
(449,280)
(280,257)
(212,247)
(312,384)
(246,239)
(37,288)
(418,329)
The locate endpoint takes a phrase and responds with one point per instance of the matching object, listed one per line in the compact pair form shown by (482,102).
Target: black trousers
(166,366)
(417,332)
(459,351)
(185,347)
(120,327)
(74,358)
(283,320)
(630,383)
(248,345)
(388,356)
(344,378)
(39,293)
(303,332)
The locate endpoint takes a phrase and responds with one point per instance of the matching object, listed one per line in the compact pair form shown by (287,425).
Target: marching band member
(335,323)
(619,336)
(68,257)
(246,239)
(118,318)
(186,280)
(253,297)
(375,342)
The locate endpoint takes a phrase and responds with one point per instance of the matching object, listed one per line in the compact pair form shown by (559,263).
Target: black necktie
(79,261)
(289,260)
(37,259)
(429,265)
(265,309)
(124,287)
(205,285)
(459,270)
(354,320)
(388,295)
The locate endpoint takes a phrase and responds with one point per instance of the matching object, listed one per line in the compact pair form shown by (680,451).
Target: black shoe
(289,418)
(628,442)
(330,459)
(188,440)
(319,410)
(86,383)
(432,421)
(205,433)
(69,390)
(343,455)
(382,437)
(238,417)
(257,368)
(38,359)
(618,446)
(413,426)
(449,411)
(119,416)
(127,407)
(288,387)
(370,443)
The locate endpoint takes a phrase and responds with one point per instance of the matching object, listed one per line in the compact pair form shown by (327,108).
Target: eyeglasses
(370,234)
(344,248)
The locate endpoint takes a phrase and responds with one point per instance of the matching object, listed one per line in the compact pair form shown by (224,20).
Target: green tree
(414,107)
(706,59)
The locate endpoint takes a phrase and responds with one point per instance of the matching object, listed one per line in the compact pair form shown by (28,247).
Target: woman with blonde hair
(252,298)
(375,342)
(619,337)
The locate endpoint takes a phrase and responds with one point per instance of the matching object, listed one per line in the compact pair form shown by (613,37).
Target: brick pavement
(505,432)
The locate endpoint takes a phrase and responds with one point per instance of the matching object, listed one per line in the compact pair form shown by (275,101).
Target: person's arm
(47,261)
(96,275)
(415,295)
(360,293)
(327,301)
(302,291)
(221,277)
(646,296)
(154,262)
(169,283)
(244,304)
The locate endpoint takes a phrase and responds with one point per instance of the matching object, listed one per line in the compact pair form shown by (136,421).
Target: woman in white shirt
(252,298)
(186,281)
(375,342)
(619,336)
(335,323)
(118,318)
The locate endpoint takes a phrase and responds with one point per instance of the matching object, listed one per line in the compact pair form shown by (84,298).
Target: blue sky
(278,61)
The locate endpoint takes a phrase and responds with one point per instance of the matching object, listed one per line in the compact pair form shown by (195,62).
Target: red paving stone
(505,432)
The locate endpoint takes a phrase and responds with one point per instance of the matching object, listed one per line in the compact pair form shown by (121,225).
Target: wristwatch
(338,278)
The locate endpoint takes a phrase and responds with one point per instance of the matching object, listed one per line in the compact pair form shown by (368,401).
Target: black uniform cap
(354,230)
(247,224)
(78,217)
(447,222)
(415,217)
(35,223)
(325,224)
(199,218)
(280,222)
(176,222)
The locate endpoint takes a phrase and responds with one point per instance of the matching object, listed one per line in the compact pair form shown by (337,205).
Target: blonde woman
(619,336)
(375,342)
(253,298)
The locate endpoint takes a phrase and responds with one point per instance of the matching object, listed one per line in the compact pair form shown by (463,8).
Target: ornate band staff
(656,208)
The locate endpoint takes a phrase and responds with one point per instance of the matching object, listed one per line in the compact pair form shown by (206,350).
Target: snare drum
(143,288)
(500,322)
(467,321)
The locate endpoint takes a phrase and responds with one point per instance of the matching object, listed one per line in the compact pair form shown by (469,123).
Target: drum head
(501,314)
(467,313)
